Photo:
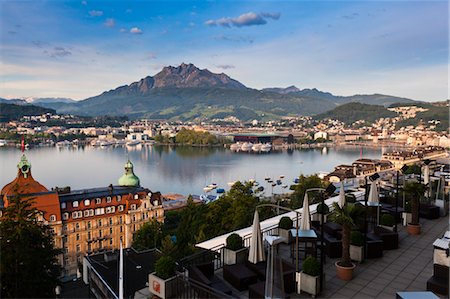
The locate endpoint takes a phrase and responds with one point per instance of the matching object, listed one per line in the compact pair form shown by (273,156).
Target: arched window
(75,204)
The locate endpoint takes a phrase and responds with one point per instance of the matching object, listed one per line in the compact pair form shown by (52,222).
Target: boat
(120,142)
(235,146)
(284,186)
(281,176)
(3,142)
(274,184)
(278,182)
(246,146)
(63,143)
(260,189)
(270,181)
(267,178)
(296,180)
(256,147)
(133,142)
(220,190)
(105,143)
(212,186)
(266,147)
(207,189)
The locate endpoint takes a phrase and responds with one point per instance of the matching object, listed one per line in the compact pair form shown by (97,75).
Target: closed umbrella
(374,198)
(256,251)
(305,224)
(426,174)
(341,201)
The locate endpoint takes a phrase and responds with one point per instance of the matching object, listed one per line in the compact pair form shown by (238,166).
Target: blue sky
(79,49)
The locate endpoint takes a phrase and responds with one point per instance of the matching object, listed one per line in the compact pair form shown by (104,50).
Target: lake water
(184,170)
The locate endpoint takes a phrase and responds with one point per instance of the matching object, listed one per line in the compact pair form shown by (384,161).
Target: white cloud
(135,30)
(96,13)
(110,23)
(247,19)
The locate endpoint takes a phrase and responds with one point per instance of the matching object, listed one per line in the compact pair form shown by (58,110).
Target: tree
(28,264)
(414,192)
(148,236)
(305,183)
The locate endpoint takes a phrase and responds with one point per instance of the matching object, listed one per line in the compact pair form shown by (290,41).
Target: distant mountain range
(187,93)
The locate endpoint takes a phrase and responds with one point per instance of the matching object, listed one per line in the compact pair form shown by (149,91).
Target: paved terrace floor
(404,269)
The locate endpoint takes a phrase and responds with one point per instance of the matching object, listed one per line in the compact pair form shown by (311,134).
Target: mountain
(14,112)
(13,101)
(187,93)
(40,101)
(351,112)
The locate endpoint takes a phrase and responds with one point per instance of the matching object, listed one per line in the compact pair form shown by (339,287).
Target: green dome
(129,178)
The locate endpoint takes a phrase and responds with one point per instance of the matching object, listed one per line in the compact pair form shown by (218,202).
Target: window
(75,204)
(110,221)
(108,210)
(88,224)
(133,207)
(78,248)
(89,247)
(136,196)
(91,212)
(52,218)
(74,215)
(120,220)
(113,209)
(119,198)
(63,205)
(77,226)
(100,233)
(65,216)
(110,241)
(78,237)
(89,235)
(110,230)
(145,205)
(108,199)
(120,208)
(121,229)
(99,222)
(98,200)
(86,213)
(134,217)
(80,214)
(87,202)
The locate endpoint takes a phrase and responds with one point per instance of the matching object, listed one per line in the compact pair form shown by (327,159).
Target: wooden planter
(407,217)
(357,253)
(231,257)
(344,273)
(286,234)
(413,229)
(162,288)
(309,284)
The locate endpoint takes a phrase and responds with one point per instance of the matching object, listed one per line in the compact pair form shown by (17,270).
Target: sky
(79,49)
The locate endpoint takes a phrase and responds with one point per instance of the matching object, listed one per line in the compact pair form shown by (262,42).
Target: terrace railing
(189,288)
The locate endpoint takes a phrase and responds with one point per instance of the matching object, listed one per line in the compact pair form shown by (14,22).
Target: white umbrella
(341,201)
(305,223)
(256,251)
(374,198)
(426,174)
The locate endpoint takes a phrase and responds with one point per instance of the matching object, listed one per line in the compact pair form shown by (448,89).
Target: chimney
(110,187)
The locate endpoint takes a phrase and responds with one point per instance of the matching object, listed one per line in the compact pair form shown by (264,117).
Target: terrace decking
(404,269)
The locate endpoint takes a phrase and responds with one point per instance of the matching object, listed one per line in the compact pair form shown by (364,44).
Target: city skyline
(79,49)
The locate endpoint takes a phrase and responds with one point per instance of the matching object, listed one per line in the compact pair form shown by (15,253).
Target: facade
(90,220)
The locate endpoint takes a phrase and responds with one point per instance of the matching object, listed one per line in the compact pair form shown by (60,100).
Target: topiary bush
(356,238)
(285,223)
(322,209)
(165,267)
(235,242)
(387,220)
(311,266)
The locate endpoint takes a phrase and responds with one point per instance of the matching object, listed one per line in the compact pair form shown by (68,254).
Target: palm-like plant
(347,217)
(415,191)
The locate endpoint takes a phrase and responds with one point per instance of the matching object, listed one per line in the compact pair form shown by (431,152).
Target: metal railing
(189,288)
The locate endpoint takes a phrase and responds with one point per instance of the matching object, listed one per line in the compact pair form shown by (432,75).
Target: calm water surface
(184,170)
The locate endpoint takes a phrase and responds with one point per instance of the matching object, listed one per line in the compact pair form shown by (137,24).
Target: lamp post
(329,190)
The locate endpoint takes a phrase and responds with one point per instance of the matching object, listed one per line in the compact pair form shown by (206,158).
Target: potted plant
(284,228)
(162,281)
(234,251)
(310,276)
(347,217)
(356,246)
(387,221)
(321,209)
(407,213)
(414,192)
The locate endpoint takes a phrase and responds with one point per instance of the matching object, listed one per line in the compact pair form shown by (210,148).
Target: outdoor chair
(204,274)
(288,273)
(429,211)
(390,238)
(438,283)
(374,246)
(239,276)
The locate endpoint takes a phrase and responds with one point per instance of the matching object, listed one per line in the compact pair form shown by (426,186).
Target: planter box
(309,284)
(286,234)
(357,253)
(391,228)
(407,217)
(318,217)
(231,257)
(162,288)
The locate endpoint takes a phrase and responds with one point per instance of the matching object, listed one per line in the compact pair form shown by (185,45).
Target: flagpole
(121,272)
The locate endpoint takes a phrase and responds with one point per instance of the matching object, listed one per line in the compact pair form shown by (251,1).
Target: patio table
(416,295)
(306,237)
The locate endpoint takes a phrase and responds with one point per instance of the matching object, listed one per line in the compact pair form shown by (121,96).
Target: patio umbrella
(341,201)
(374,198)
(256,251)
(426,174)
(305,223)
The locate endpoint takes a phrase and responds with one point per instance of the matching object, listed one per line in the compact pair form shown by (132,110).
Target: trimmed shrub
(387,220)
(285,223)
(311,266)
(165,267)
(235,242)
(322,209)
(356,238)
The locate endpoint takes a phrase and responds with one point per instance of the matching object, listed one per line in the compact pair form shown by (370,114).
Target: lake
(172,169)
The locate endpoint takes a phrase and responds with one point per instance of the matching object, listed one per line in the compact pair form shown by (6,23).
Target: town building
(87,221)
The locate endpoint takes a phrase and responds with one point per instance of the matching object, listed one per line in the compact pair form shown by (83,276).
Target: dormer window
(108,199)
(120,208)
(52,218)
(63,205)
(136,196)
(98,200)
(65,216)
(119,198)
(133,207)
(87,202)
(75,204)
